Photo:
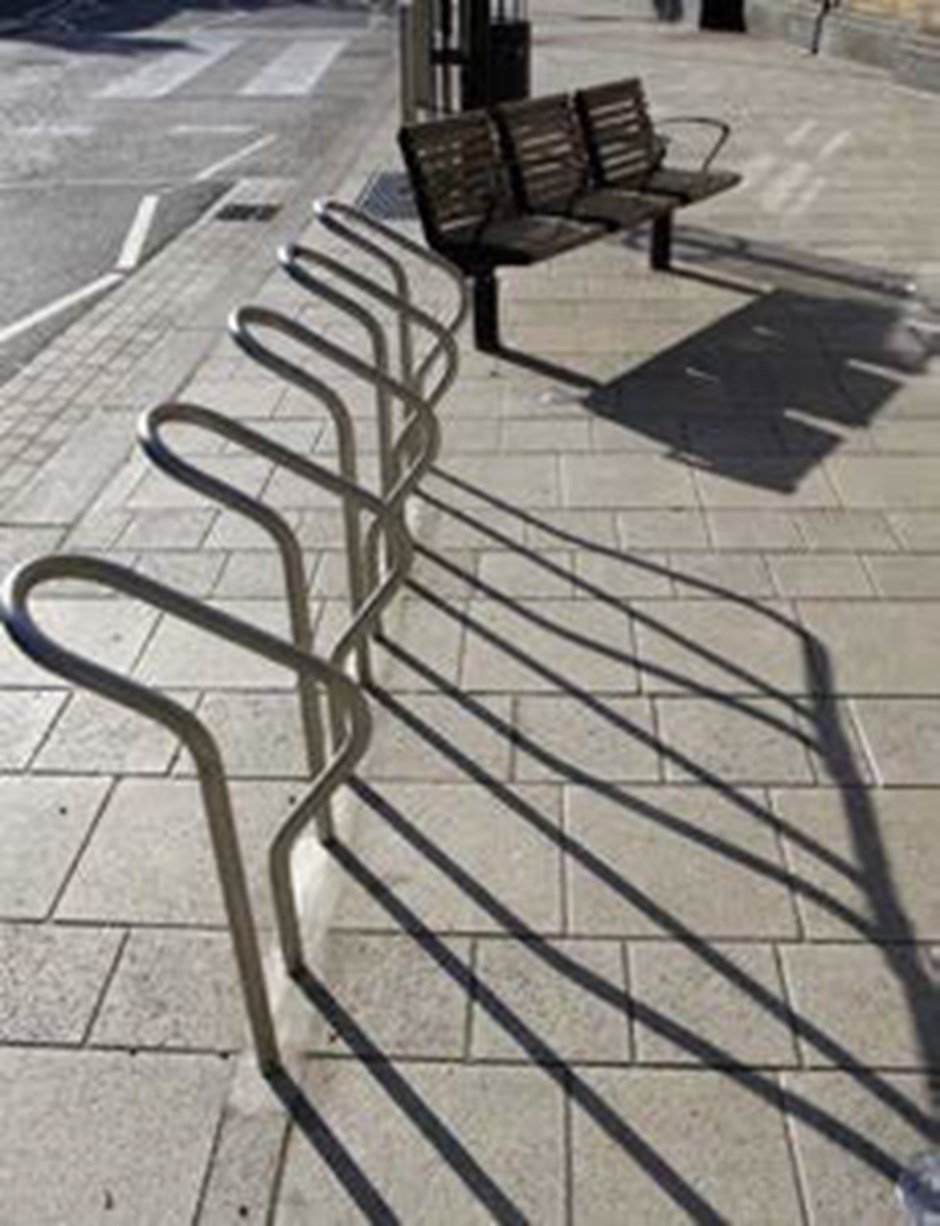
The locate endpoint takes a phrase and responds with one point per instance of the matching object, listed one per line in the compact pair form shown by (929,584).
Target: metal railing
(349,716)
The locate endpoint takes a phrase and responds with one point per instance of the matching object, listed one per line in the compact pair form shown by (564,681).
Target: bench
(529,180)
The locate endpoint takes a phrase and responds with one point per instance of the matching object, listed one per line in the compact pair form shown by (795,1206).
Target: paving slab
(431,1143)
(700,1145)
(111,1126)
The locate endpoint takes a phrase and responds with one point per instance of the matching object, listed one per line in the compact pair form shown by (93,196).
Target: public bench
(526,181)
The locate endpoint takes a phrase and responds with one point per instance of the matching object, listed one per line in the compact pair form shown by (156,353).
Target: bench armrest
(724,131)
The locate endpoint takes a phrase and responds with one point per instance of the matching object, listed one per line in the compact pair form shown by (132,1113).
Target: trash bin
(510,53)
(496,38)
(722,15)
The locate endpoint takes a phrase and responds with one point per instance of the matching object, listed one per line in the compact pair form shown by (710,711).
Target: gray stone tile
(508,1121)
(835,530)
(903,482)
(902,736)
(758,740)
(567,529)
(460,857)
(525,575)
(917,530)
(127,1137)
(110,632)
(94,736)
(878,1003)
(190,572)
(25,717)
(51,979)
(707,575)
(523,479)
(857,636)
(563,738)
(474,528)
(397,994)
(168,529)
(729,648)
(623,480)
(548,644)
(868,863)
(402,750)
(45,824)
(246,1160)
(150,860)
(897,576)
(570,996)
(609,576)
(675,861)
(259,734)
(181,655)
(832,574)
(561,434)
(156,491)
(662,529)
(765,483)
(754,529)
(422,637)
(174,989)
(729,997)
(720,1144)
(841,1184)
(253,574)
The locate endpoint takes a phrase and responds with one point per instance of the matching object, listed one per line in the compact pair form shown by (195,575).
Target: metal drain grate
(387,196)
(248,212)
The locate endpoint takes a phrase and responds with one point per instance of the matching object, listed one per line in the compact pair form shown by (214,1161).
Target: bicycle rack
(405,459)
(350,717)
(345,222)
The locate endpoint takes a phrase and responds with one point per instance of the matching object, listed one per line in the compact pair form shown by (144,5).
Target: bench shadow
(817,348)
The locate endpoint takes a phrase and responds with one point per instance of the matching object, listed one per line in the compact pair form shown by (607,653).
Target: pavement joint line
(51,309)
(232,158)
(133,245)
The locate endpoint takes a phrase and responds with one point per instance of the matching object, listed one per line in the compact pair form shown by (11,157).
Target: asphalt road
(121,122)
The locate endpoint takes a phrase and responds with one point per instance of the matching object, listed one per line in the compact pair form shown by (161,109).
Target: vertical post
(486,311)
(661,242)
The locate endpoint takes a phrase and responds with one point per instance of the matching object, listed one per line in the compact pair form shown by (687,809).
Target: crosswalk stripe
(294,71)
(161,76)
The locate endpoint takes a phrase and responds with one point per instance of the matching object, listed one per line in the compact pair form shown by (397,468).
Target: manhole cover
(248,212)
(387,195)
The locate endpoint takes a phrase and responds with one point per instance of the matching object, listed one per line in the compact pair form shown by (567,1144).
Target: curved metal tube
(345,221)
(344,697)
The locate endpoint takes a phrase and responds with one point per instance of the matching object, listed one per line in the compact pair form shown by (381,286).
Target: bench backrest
(619,134)
(460,180)
(545,149)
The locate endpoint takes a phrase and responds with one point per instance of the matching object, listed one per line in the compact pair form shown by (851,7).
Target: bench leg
(486,312)
(661,243)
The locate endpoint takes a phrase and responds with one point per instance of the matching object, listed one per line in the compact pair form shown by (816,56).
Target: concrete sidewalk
(634,917)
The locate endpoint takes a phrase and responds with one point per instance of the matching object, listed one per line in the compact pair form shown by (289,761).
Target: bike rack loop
(387,520)
(294,258)
(344,221)
(245,323)
(345,698)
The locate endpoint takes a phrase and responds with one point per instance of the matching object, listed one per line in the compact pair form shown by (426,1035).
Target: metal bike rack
(349,717)
(385,245)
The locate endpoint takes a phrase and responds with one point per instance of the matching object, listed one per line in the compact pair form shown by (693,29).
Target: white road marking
(60,305)
(137,235)
(295,71)
(806,197)
(161,76)
(757,168)
(798,135)
(780,189)
(211,171)
(38,130)
(209,129)
(835,144)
